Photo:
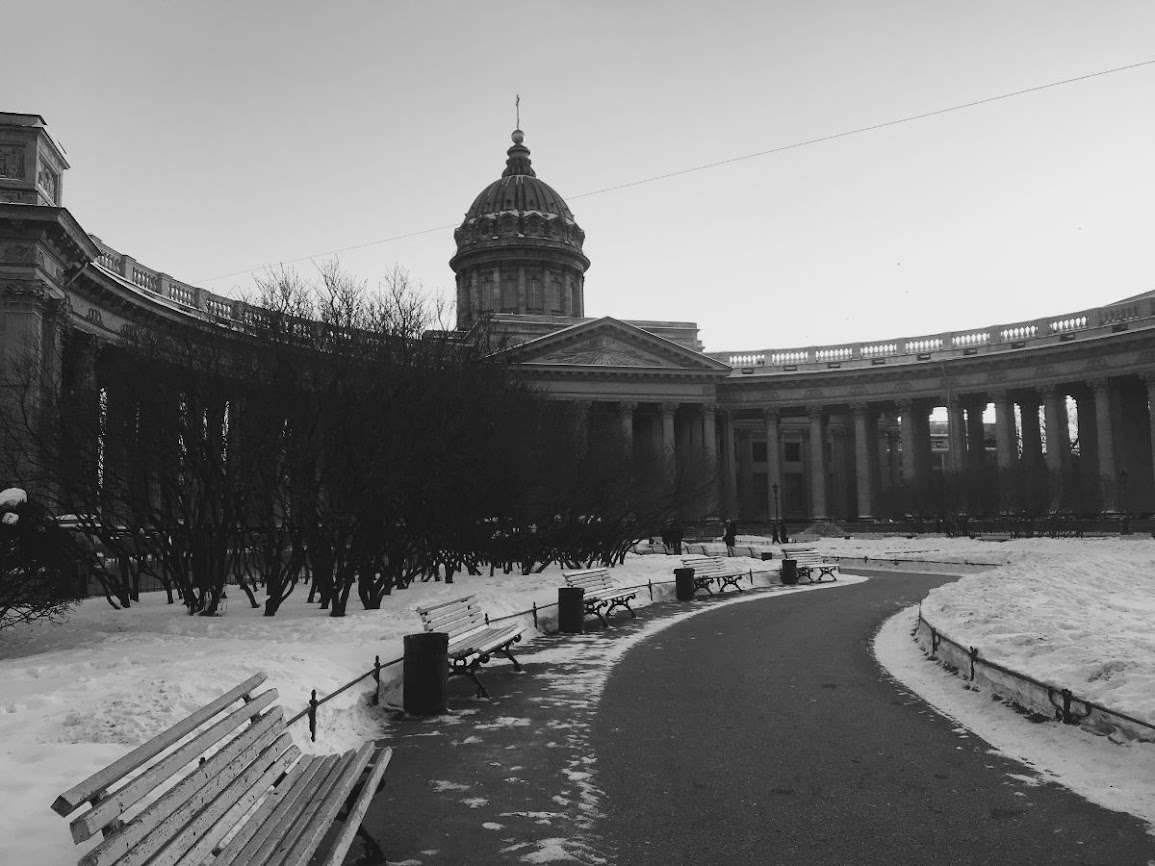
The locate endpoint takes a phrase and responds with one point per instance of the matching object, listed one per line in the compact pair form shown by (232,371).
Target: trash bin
(767,555)
(789,574)
(425,673)
(570,609)
(684,583)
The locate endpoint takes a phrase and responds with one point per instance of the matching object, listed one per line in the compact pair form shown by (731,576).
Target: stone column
(773,461)
(1058,445)
(1149,381)
(907,426)
(626,417)
(1108,478)
(1058,442)
(1006,453)
(817,463)
(1032,440)
(956,431)
(862,448)
(710,437)
(976,435)
(581,409)
(668,441)
(731,466)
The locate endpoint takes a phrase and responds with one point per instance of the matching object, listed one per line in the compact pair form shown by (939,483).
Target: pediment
(610,343)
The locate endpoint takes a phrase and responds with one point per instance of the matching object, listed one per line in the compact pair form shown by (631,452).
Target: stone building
(1054,412)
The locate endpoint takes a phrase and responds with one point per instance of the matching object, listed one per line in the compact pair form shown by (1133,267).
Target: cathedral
(1050,414)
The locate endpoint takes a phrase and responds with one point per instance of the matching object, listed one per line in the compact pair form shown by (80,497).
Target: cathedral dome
(518,204)
(519,249)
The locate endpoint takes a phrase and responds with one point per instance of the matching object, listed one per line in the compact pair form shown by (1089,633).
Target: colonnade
(1083,446)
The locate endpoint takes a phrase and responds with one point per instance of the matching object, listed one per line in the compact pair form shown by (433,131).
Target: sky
(78,695)
(213,140)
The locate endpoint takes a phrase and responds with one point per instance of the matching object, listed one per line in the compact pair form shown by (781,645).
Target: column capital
(1099,386)
(625,406)
(582,405)
(771,413)
(714,409)
(816,412)
(998,395)
(859,407)
(668,408)
(905,405)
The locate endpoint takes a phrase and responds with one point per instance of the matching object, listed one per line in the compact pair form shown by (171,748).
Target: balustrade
(843,353)
(1074,323)
(925,345)
(879,350)
(976,338)
(1019,332)
(797,357)
(757,360)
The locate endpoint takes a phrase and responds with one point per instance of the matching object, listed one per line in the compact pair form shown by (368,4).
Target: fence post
(535,614)
(650,587)
(313,716)
(377,679)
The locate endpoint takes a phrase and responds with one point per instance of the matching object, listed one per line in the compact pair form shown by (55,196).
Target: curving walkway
(765,733)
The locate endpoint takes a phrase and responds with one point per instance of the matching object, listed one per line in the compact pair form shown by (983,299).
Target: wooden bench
(472,641)
(715,570)
(601,596)
(810,561)
(235,791)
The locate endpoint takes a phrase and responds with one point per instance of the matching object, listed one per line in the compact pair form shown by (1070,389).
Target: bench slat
(288,842)
(256,831)
(205,781)
(216,822)
(165,836)
(335,856)
(80,793)
(427,610)
(318,825)
(285,818)
(458,621)
(119,802)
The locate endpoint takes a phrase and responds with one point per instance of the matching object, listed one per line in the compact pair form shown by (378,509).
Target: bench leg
(470,671)
(705,585)
(373,855)
(505,651)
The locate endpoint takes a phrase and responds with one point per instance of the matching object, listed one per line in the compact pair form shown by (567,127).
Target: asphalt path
(765,732)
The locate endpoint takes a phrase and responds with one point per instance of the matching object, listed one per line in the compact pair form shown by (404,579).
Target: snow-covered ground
(75,695)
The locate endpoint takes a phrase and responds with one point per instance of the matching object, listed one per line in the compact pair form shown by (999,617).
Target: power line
(793,146)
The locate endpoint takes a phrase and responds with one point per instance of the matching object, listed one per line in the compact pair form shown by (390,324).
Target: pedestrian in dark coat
(730,536)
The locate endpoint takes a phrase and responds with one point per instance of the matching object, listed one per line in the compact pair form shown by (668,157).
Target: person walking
(730,536)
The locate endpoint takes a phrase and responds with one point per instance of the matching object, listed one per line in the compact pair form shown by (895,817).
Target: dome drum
(519,249)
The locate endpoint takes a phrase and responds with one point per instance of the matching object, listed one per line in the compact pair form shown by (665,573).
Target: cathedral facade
(1049,414)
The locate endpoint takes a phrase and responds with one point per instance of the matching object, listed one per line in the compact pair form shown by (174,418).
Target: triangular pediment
(611,343)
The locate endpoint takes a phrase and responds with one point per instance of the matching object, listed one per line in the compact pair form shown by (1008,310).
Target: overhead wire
(729,161)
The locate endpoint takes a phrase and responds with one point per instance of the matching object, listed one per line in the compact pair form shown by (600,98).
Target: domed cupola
(519,249)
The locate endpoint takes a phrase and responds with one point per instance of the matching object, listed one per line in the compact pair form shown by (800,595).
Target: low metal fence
(1027,692)
(310,711)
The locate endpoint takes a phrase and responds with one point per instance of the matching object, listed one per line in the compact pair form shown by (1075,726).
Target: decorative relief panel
(12,161)
(1096,364)
(17,253)
(902,387)
(812,393)
(49,182)
(601,352)
(1044,371)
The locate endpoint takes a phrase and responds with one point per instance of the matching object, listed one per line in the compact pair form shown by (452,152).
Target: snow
(75,695)
(12,497)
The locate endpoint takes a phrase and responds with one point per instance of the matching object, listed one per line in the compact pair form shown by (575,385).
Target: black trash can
(684,583)
(425,673)
(570,609)
(767,555)
(789,573)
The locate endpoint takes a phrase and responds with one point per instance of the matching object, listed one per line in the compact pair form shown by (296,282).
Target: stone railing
(152,282)
(997,338)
